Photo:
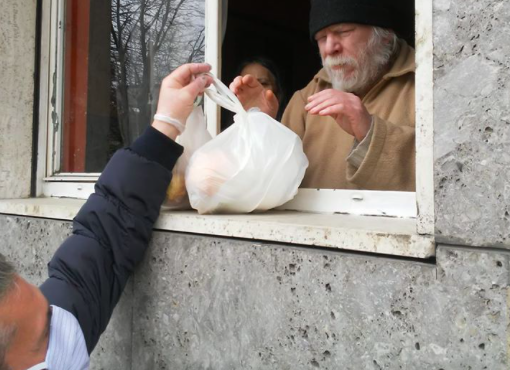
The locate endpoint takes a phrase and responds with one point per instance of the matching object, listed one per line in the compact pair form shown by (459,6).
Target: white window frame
(49,184)
(419,205)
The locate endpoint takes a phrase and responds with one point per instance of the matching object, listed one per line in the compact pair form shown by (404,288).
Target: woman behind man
(267,73)
(269,76)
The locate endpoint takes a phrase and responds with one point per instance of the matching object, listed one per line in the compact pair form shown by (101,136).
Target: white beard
(366,68)
(338,77)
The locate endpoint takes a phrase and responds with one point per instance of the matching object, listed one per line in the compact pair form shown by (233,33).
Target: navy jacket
(111,233)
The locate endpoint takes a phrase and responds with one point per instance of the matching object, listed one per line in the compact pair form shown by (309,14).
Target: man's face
(350,56)
(27,310)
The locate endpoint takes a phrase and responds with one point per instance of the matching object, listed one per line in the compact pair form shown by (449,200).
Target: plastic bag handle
(224,97)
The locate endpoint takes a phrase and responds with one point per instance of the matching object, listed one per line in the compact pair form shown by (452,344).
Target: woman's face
(262,74)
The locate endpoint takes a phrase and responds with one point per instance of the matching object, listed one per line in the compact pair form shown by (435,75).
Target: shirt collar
(66,349)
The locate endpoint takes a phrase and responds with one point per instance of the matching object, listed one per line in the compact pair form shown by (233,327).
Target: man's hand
(251,94)
(347,110)
(178,93)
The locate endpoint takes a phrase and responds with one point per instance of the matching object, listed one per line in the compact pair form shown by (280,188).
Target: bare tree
(197,47)
(149,38)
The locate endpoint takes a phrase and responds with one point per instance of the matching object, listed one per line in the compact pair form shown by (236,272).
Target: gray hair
(378,36)
(7,274)
(6,335)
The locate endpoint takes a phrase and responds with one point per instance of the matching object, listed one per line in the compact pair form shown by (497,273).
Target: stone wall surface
(30,243)
(17,67)
(208,303)
(214,303)
(472,122)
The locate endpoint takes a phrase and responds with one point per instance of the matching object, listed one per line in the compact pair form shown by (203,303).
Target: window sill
(393,236)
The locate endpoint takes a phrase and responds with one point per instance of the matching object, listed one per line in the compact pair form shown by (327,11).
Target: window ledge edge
(382,235)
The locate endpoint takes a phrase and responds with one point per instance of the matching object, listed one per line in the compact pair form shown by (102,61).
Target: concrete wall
(17,56)
(472,121)
(206,303)
(210,303)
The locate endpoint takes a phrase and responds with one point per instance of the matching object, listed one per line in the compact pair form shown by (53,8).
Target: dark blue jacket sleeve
(111,232)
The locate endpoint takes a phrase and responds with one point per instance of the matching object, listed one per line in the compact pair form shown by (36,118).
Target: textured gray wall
(17,56)
(472,121)
(206,303)
(210,303)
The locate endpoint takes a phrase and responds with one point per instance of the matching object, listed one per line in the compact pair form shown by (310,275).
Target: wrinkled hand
(251,94)
(178,93)
(347,110)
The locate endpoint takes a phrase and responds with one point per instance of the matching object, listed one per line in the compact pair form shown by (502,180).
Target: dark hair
(275,71)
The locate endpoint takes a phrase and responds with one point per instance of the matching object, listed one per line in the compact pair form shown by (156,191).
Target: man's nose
(333,45)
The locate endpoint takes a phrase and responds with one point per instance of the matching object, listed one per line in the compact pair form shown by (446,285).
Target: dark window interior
(275,29)
(278,30)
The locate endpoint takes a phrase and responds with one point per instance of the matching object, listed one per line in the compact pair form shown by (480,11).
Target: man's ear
(388,38)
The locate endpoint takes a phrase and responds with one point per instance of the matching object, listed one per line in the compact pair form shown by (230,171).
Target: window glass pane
(116,54)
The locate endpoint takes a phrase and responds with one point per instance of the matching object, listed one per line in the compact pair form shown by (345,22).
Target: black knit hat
(324,13)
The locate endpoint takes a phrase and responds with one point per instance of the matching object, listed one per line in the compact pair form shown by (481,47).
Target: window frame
(80,185)
(370,203)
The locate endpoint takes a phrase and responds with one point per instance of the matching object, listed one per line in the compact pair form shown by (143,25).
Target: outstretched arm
(112,230)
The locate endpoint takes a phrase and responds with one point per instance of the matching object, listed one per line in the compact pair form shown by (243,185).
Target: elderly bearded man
(357,116)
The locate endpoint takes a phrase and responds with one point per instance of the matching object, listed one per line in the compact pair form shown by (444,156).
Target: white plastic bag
(194,136)
(254,165)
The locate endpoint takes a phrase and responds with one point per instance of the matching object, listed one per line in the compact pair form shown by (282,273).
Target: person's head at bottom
(24,321)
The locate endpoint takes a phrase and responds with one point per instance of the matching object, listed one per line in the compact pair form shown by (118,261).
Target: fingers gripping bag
(254,165)
(194,136)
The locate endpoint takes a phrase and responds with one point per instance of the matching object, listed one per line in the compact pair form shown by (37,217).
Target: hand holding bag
(254,165)
(194,136)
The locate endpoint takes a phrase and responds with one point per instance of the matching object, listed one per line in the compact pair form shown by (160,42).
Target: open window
(278,30)
(99,79)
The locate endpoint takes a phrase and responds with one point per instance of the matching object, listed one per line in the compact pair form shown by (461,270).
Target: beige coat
(390,161)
